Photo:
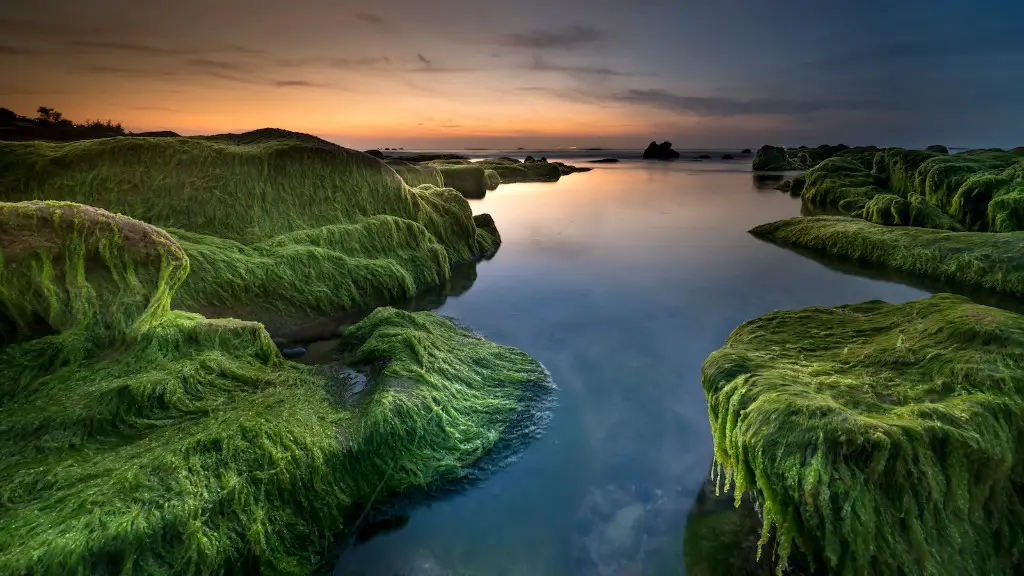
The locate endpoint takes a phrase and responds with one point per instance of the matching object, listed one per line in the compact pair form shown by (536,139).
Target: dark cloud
(218,65)
(721,106)
(297,84)
(544,65)
(128,47)
(336,63)
(368,18)
(7,50)
(562,39)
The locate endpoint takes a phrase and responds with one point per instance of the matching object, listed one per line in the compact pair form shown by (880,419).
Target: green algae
(975,259)
(511,171)
(470,180)
(137,439)
(247,191)
(892,210)
(877,438)
(979,189)
(416,174)
(273,220)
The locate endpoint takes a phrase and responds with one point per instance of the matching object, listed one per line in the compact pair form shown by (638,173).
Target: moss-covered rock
(416,174)
(137,439)
(977,259)
(271,220)
(937,148)
(511,171)
(878,438)
(770,158)
(471,181)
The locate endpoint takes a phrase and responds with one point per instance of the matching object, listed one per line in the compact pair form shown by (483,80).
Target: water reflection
(620,281)
(767,181)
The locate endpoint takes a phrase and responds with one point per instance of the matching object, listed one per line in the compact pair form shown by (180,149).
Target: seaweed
(878,438)
(139,439)
(977,259)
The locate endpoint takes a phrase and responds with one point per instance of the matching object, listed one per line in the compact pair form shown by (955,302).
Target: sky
(530,73)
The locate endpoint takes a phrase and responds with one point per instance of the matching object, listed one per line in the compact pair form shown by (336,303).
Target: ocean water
(620,281)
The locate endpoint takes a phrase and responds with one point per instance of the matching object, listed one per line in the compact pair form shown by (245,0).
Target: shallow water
(620,281)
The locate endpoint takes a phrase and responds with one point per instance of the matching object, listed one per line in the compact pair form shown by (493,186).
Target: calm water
(620,281)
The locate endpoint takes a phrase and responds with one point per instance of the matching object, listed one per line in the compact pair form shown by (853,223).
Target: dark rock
(661,151)
(293,351)
(746,151)
(543,159)
(157,134)
(771,158)
(529,159)
(375,153)
(605,161)
(938,148)
(432,157)
(727,156)
(704,157)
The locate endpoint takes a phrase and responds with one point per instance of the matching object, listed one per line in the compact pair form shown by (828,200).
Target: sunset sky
(459,73)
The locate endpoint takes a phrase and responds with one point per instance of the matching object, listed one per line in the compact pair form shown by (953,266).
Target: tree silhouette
(49,115)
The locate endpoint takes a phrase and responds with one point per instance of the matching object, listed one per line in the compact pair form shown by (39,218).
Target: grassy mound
(980,190)
(975,259)
(270,219)
(877,438)
(137,439)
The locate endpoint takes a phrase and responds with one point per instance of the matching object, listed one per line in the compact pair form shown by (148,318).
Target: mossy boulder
(139,439)
(511,171)
(471,181)
(416,174)
(878,438)
(273,222)
(963,187)
(67,267)
(661,151)
(771,158)
(976,259)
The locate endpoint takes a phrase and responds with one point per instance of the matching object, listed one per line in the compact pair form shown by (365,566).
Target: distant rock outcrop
(746,151)
(727,156)
(938,148)
(800,158)
(771,158)
(156,134)
(604,161)
(661,151)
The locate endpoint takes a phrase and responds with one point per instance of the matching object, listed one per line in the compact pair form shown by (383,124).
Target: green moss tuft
(877,438)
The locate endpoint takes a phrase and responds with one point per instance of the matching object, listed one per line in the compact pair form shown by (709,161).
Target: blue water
(620,281)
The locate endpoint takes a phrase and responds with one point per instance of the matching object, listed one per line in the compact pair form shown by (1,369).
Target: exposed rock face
(661,151)
(771,158)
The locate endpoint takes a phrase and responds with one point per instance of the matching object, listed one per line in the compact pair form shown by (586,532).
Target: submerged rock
(661,151)
(912,414)
(605,161)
